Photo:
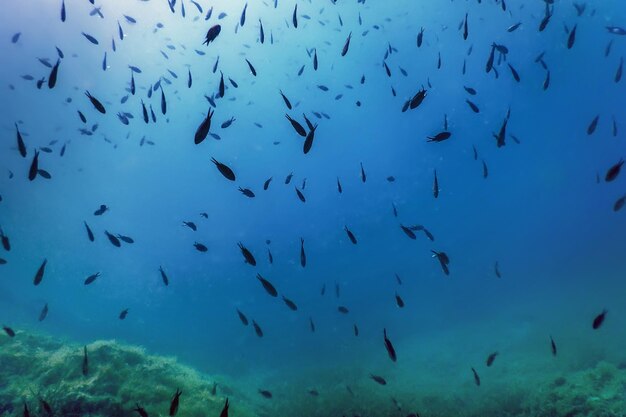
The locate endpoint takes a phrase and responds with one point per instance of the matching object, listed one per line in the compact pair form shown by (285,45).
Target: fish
(248,257)
(164,277)
(288,178)
(91,278)
(175,402)
(350,235)
(614,30)
(292,306)
(126,239)
(123,314)
(224,170)
(257,329)
(44,313)
(593,125)
(163,102)
(90,38)
(101,210)
(252,70)
(40,273)
(203,129)
(343,309)
(261,32)
(490,60)
(300,195)
(269,288)
(572,37)
(339,189)
(266,184)
(270,257)
(34,167)
(363,176)
(435,185)
(443,259)
(491,358)
(619,203)
(378,379)
(485,170)
(552,346)
(476,377)
(242,19)
(390,349)
(96,103)
(242,318)
(302,253)
(465,31)
(308,142)
(346,45)
(297,126)
(114,240)
(52,78)
(140,410)
(408,232)
(420,37)
(21,146)
(9,331)
(212,34)
(614,171)
(472,106)
(514,72)
(294,17)
(200,247)
(599,320)
(190,225)
(63,17)
(265,393)
(618,73)
(85,362)
(514,27)
(287,103)
(224,412)
(440,137)
(311,325)
(399,300)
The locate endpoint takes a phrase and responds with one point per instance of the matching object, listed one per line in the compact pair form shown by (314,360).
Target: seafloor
(34,367)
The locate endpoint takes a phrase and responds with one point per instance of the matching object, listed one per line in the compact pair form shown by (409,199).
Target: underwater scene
(359,208)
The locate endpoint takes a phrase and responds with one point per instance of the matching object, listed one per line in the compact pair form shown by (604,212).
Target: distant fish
(9,331)
(90,38)
(200,247)
(399,300)
(491,358)
(443,259)
(552,346)
(242,318)
(166,281)
(123,314)
(350,235)
(203,129)
(269,288)
(439,137)
(44,313)
(40,273)
(614,171)
(265,393)
(302,254)
(257,329)
(247,255)
(96,103)
(224,170)
(101,210)
(212,34)
(390,349)
(224,412)
(378,379)
(85,362)
(91,278)
(598,320)
(114,240)
(292,306)
(476,377)
(175,402)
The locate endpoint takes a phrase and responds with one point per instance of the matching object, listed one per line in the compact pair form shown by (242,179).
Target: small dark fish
(288,178)
(363,176)
(491,358)
(269,288)
(52,78)
(614,171)
(399,300)
(140,410)
(343,309)
(355,329)
(496,269)
(598,320)
(546,81)
(514,27)
(34,167)
(346,45)
(514,73)
(242,19)
(408,232)
(21,147)
(308,142)
(420,37)
(91,278)
(297,126)
(339,189)
(200,247)
(552,346)
(311,325)
(224,170)
(350,235)
(85,362)
(242,317)
(378,379)
(123,314)
(203,129)
(572,37)
(618,73)
(248,257)
(292,306)
(191,225)
(163,102)
(40,272)
(476,377)
(44,312)
(439,137)
(252,70)
(96,103)
(472,106)
(443,259)
(265,393)
(315,60)
(593,125)
(615,30)
(287,102)
(435,186)
(390,349)
(257,329)
(90,38)
(294,17)
(212,34)
(619,203)
(485,169)
(63,17)
(101,210)
(126,239)
(465,31)
(90,235)
(166,281)
(490,60)
(114,240)
(224,412)
(9,331)
(302,254)
(174,403)
(300,195)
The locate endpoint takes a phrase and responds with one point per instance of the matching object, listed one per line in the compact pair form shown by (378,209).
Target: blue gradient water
(540,213)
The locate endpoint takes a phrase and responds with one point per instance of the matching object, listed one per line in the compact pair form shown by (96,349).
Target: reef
(34,367)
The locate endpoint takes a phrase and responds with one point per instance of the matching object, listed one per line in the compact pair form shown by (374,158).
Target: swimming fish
(269,288)
(598,320)
(40,273)
(248,257)
(175,402)
(212,34)
(390,349)
(224,170)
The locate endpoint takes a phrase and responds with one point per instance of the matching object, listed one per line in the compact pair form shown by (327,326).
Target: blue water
(540,213)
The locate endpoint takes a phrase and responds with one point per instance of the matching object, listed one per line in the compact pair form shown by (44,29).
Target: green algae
(119,376)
